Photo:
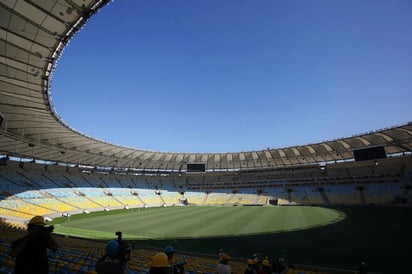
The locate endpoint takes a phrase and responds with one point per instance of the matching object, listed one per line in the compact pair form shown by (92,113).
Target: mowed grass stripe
(199,222)
(207,221)
(124,219)
(219,221)
(234,221)
(152,222)
(171,222)
(260,221)
(182,221)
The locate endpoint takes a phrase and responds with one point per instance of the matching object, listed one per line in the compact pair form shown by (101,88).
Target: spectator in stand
(275,266)
(265,267)
(223,267)
(160,264)
(170,252)
(256,263)
(255,257)
(177,267)
(30,251)
(220,254)
(110,263)
(279,265)
(250,267)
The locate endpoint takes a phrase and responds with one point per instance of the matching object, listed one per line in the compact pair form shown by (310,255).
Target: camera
(179,268)
(48,229)
(124,249)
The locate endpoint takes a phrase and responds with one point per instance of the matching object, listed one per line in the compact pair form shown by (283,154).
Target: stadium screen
(369,153)
(196,167)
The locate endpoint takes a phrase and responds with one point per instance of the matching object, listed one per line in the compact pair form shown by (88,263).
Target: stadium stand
(64,190)
(48,168)
(216,198)
(195,197)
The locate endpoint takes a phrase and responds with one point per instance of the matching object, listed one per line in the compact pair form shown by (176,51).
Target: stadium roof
(33,35)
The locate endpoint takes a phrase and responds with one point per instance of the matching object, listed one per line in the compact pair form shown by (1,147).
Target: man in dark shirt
(30,251)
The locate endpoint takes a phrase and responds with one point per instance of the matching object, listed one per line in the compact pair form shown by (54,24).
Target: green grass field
(380,236)
(197,222)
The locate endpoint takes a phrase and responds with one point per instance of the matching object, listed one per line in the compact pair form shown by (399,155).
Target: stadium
(326,207)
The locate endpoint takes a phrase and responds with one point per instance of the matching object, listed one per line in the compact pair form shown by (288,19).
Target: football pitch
(340,237)
(197,222)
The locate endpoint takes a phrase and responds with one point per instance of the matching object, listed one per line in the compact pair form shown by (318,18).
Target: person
(255,257)
(30,251)
(110,263)
(265,267)
(223,267)
(276,266)
(220,254)
(250,267)
(170,252)
(279,265)
(177,267)
(256,263)
(160,264)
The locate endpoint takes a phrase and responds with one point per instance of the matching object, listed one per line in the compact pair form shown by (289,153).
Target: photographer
(114,261)
(30,251)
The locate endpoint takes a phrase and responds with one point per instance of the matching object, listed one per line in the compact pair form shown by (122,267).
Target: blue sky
(229,76)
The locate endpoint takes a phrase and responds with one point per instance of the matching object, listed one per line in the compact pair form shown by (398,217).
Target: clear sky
(237,75)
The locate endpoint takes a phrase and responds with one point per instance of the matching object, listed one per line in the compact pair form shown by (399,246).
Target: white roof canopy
(32,37)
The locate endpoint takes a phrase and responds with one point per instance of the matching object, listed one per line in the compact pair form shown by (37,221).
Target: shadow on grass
(379,236)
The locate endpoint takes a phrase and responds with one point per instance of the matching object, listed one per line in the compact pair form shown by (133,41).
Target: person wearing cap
(110,263)
(30,251)
(170,252)
(223,267)
(177,267)
(160,264)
